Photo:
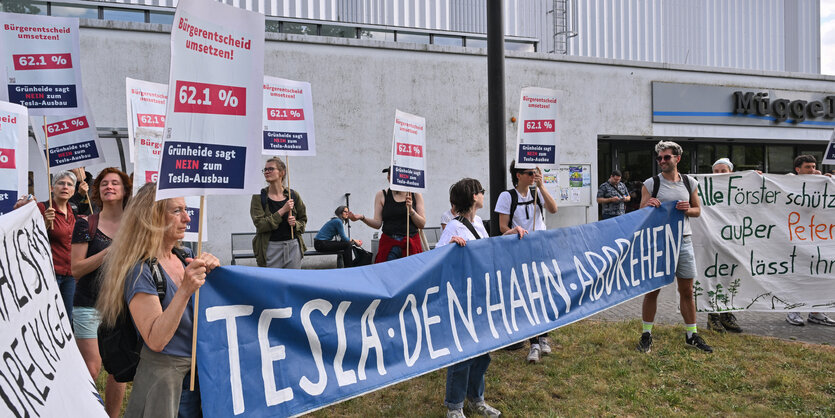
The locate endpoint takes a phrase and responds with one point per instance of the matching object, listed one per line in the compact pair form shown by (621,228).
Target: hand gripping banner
(275,342)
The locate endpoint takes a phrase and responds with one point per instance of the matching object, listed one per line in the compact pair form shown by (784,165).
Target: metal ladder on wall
(564,14)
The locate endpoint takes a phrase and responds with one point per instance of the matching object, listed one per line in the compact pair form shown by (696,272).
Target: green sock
(691,329)
(648,327)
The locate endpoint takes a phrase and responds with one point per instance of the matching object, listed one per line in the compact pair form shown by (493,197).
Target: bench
(432,234)
(242,247)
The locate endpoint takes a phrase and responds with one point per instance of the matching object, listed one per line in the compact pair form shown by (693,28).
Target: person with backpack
(465,380)
(90,244)
(276,212)
(152,281)
(670,186)
(517,207)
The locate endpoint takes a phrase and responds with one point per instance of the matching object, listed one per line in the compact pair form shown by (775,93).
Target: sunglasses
(663,158)
(529,173)
(482,191)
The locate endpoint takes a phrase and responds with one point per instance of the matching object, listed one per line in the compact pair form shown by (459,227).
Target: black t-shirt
(87,287)
(283,231)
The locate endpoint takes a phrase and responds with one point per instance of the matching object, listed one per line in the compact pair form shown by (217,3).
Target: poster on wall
(73,140)
(212,140)
(14,154)
(40,64)
(146,103)
(288,118)
(408,153)
(537,136)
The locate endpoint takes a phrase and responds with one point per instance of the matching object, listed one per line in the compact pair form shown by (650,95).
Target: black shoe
(645,345)
(728,321)
(714,323)
(516,346)
(696,341)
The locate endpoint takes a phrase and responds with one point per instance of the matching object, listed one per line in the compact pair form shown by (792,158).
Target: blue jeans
(466,379)
(190,401)
(66,285)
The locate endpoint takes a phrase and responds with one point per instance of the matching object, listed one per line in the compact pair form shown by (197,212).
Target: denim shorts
(686,266)
(85,322)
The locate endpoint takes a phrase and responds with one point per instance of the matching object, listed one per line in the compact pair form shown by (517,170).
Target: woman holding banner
(91,240)
(279,216)
(149,240)
(390,212)
(466,379)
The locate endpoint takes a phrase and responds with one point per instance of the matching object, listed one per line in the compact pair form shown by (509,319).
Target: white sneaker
(533,356)
(544,346)
(794,318)
(821,319)
(455,413)
(485,410)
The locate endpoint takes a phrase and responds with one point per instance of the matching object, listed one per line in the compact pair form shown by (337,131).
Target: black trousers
(344,247)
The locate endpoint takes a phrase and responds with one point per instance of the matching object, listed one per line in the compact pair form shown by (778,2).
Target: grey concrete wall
(357,85)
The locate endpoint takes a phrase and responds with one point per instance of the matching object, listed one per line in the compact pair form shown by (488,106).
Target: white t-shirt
(524,214)
(447,216)
(457,229)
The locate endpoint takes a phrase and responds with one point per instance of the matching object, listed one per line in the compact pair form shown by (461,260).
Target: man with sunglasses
(671,187)
(517,207)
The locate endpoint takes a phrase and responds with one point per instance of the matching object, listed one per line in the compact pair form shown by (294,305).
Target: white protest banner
(73,140)
(408,153)
(14,154)
(42,373)
(288,118)
(829,155)
(765,243)
(537,136)
(146,103)
(40,64)
(213,131)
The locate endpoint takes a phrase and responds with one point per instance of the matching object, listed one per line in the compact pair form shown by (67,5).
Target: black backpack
(119,345)
(514,202)
(656,185)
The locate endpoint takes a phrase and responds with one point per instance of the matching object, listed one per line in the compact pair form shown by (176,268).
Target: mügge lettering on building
(750,103)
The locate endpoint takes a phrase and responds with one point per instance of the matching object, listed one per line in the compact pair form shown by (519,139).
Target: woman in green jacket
(275,212)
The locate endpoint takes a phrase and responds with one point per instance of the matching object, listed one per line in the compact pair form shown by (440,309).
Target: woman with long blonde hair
(150,236)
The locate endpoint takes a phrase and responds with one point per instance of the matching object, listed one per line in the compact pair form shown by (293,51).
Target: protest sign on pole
(212,142)
(408,153)
(288,118)
(14,155)
(40,64)
(43,374)
(73,140)
(765,243)
(146,103)
(537,136)
(829,154)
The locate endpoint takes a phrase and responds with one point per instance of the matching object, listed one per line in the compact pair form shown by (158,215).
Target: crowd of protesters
(107,247)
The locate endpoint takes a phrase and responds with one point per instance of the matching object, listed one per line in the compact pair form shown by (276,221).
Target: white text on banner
(765,243)
(408,153)
(40,64)
(146,103)
(14,154)
(42,369)
(537,136)
(212,141)
(73,140)
(288,118)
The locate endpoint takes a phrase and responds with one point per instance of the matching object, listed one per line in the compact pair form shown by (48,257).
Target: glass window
(126,15)
(747,157)
(338,31)
(448,40)
(780,159)
(24,6)
(298,28)
(704,158)
(415,38)
(476,43)
(163,18)
(88,12)
(272,26)
(377,35)
(519,46)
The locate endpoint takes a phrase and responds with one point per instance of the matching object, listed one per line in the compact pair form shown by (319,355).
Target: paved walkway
(757,323)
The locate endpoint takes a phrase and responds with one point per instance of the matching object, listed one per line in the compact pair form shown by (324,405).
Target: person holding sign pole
(466,379)
(90,244)
(521,207)
(390,212)
(280,217)
(667,187)
(149,243)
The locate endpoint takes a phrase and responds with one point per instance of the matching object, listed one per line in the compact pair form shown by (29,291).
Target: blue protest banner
(305,339)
